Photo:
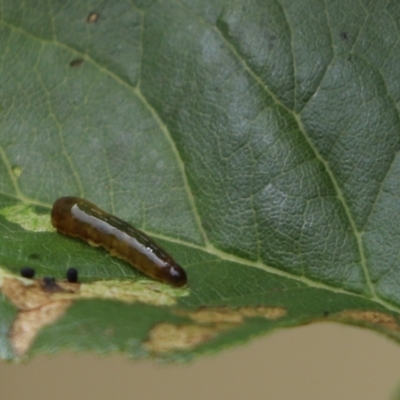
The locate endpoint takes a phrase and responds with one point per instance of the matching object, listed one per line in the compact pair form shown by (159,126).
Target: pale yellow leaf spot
(25,216)
(16,170)
(167,337)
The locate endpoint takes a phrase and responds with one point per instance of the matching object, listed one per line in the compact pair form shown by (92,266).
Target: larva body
(73,216)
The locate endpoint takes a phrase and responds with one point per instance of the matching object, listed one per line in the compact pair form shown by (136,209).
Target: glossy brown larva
(77,217)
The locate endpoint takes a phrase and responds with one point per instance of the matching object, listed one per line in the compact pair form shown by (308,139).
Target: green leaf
(256,141)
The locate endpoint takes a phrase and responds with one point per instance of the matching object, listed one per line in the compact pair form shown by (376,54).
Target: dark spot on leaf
(34,256)
(76,63)
(344,36)
(326,313)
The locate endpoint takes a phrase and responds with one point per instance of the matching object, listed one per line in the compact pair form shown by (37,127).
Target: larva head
(177,275)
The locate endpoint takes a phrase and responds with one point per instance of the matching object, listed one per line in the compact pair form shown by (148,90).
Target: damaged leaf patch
(208,323)
(41,302)
(28,323)
(25,216)
(207,315)
(143,290)
(376,319)
(38,306)
(166,337)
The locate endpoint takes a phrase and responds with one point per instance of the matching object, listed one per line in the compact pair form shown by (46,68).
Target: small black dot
(28,272)
(72,275)
(326,313)
(344,36)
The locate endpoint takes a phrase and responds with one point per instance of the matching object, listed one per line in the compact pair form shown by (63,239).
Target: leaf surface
(256,141)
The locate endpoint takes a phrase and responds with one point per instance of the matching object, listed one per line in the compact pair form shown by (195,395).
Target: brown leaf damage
(39,303)
(166,337)
(208,322)
(207,315)
(28,323)
(377,319)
